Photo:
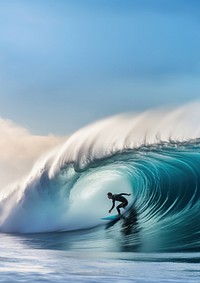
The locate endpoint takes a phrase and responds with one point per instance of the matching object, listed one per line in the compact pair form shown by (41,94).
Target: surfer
(120,198)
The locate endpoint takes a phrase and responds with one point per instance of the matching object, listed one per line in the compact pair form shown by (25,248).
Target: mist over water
(19,150)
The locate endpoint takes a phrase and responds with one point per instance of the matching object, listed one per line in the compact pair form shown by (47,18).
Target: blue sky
(66,63)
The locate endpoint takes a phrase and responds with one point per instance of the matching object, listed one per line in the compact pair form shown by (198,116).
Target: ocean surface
(50,220)
(84,257)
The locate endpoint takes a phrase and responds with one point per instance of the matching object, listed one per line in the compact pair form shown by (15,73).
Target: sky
(67,63)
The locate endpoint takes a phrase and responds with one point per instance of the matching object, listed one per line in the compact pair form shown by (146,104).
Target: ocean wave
(154,155)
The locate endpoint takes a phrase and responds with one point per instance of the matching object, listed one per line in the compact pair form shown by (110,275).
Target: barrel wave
(154,155)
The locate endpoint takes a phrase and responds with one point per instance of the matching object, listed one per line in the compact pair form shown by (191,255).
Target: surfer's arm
(112,206)
(124,194)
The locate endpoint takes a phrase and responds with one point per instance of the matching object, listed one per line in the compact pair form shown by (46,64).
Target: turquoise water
(164,207)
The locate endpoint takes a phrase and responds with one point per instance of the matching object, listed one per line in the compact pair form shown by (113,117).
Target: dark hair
(109,194)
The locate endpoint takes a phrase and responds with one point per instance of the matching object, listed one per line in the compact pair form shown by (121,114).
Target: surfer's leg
(118,208)
(121,205)
(124,204)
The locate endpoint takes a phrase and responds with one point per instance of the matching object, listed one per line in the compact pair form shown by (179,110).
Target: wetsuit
(120,198)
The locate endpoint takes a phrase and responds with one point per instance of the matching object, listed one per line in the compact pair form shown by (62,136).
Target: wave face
(155,156)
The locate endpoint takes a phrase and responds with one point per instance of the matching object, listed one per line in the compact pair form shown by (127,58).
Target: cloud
(19,150)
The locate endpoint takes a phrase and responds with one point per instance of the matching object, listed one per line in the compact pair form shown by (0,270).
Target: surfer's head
(109,195)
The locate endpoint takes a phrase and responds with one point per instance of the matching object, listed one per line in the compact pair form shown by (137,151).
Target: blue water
(80,257)
(51,221)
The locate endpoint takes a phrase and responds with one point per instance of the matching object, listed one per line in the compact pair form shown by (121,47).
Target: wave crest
(154,155)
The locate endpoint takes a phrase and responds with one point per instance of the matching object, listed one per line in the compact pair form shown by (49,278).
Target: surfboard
(111,217)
